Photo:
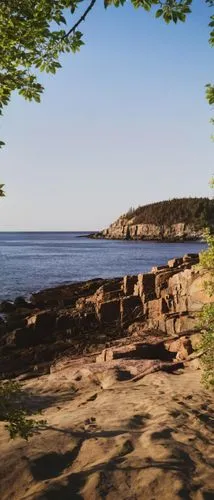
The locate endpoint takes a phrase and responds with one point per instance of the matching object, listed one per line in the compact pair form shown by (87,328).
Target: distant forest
(197,211)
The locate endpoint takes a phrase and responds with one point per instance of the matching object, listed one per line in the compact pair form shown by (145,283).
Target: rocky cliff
(84,318)
(173,220)
(125,229)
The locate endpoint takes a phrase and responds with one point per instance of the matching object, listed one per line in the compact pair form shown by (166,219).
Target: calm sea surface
(31,261)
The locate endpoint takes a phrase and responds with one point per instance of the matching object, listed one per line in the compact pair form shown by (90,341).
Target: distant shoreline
(100,236)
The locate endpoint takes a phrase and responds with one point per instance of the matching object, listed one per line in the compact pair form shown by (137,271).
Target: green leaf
(159,13)
(174,17)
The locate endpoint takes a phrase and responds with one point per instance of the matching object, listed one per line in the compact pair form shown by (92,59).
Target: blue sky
(123,123)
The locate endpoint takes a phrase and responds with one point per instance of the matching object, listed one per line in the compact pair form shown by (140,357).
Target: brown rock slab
(156,307)
(185,323)
(129,283)
(175,262)
(170,326)
(131,310)
(109,291)
(182,346)
(146,285)
(191,257)
(42,320)
(109,312)
(138,350)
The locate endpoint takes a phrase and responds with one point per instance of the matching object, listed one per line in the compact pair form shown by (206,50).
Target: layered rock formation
(125,229)
(86,317)
(180,219)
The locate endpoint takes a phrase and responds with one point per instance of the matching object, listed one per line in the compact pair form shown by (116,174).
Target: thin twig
(80,20)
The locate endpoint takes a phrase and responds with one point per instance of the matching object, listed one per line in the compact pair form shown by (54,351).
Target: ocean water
(35,260)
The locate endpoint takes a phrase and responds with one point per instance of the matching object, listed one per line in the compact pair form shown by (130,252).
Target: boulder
(129,283)
(26,337)
(180,304)
(185,349)
(170,326)
(175,262)
(21,303)
(185,323)
(85,303)
(156,307)
(158,269)
(162,281)
(135,351)
(45,321)
(7,307)
(108,292)
(15,320)
(87,322)
(29,337)
(197,294)
(66,321)
(152,324)
(109,312)
(182,347)
(162,323)
(191,257)
(179,283)
(131,310)
(145,286)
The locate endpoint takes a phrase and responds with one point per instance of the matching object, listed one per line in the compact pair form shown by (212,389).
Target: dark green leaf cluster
(196,211)
(210,93)
(169,10)
(32,38)
(13,411)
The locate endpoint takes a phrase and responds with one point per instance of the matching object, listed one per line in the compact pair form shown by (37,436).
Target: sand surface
(115,440)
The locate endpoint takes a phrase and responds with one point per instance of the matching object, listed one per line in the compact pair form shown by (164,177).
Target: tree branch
(81,19)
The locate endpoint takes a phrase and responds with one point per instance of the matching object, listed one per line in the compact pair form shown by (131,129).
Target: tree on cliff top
(197,211)
(35,33)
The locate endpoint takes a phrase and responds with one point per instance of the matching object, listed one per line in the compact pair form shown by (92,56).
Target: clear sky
(123,123)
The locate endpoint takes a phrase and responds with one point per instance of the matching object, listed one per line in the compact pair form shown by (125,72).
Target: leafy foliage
(196,211)
(207,345)
(34,35)
(207,317)
(32,39)
(13,411)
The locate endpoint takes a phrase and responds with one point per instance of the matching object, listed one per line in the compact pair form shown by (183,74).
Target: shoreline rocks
(84,317)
